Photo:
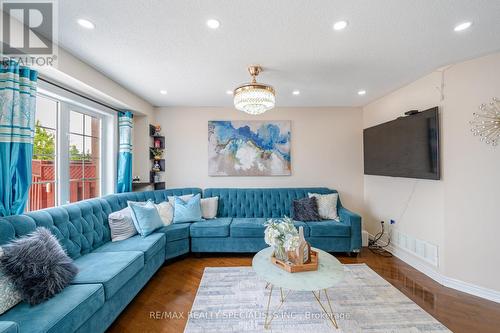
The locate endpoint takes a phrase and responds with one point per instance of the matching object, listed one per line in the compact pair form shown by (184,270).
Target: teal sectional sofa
(112,273)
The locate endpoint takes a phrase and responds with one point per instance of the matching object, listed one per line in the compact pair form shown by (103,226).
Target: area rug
(233,299)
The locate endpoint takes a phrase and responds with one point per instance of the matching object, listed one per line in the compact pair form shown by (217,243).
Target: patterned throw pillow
(327,205)
(9,296)
(121,225)
(305,209)
(37,266)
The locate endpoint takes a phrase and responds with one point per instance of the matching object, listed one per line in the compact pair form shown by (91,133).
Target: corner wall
(460,213)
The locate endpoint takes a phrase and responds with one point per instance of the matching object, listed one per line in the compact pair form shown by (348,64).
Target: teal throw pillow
(187,211)
(145,216)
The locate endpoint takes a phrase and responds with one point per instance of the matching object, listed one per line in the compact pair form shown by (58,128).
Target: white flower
(291,242)
(280,231)
(271,235)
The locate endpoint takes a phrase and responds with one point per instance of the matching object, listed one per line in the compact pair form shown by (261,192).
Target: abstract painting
(249,148)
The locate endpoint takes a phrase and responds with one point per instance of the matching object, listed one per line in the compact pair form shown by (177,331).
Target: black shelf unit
(158,141)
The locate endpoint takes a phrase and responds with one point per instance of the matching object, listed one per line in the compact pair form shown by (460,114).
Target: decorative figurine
(157,143)
(157,130)
(156,166)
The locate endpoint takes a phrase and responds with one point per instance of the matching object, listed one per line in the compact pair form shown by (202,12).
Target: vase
(280,253)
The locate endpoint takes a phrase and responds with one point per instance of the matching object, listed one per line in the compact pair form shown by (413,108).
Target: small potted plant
(157,153)
(282,235)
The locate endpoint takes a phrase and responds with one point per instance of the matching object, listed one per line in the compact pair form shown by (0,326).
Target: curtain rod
(41,78)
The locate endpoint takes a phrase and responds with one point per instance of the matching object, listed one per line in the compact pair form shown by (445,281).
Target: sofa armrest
(8,327)
(354,221)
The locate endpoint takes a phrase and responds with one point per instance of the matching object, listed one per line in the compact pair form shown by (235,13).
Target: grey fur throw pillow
(37,266)
(306,209)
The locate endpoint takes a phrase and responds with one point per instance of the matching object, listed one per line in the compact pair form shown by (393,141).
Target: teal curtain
(17,129)
(125,125)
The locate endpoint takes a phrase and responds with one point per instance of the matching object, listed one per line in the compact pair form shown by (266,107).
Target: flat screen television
(405,147)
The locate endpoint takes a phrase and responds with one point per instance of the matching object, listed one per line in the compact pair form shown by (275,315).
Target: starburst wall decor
(486,123)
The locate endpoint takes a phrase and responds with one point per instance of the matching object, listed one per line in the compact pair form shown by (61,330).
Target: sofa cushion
(111,269)
(211,228)
(254,227)
(248,227)
(175,231)
(328,228)
(65,312)
(149,245)
(8,327)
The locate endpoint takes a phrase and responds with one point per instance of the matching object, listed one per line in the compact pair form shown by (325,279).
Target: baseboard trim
(423,267)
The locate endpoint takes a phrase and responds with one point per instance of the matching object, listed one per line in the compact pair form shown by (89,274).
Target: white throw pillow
(121,225)
(166,211)
(184,198)
(327,205)
(209,207)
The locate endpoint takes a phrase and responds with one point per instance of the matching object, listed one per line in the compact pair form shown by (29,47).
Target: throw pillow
(306,209)
(121,225)
(146,218)
(209,207)
(327,205)
(166,211)
(37,265)
(9,296)
(187,211)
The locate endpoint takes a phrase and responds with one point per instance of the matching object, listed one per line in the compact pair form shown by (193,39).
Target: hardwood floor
(174,286)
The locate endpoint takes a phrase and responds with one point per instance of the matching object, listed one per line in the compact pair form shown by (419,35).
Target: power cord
(379,249)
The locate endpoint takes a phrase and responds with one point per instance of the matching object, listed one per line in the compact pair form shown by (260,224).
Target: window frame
(108,133)
(65,163)
(54,182)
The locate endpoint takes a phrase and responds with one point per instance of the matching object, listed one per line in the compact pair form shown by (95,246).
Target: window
(68,144)
(43,191)
(84,148)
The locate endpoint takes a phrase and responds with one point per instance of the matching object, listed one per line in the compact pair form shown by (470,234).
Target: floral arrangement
(156,152)
(282,235)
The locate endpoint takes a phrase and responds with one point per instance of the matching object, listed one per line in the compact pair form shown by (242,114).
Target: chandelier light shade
(486,123)
(254,98)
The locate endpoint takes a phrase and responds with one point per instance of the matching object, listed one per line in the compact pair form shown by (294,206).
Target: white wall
(460,213)
(472,170)
(417,206)
(326,148)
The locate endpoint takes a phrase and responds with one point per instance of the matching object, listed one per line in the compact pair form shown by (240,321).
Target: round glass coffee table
(330,272)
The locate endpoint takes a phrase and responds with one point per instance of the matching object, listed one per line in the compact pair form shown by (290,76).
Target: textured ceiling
(151,45)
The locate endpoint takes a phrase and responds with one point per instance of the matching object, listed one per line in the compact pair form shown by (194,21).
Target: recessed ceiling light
(163,92)
(229,92)
(86,24)
(462,26)
(362,92)
(340,25)
(296,92)
(213,24)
